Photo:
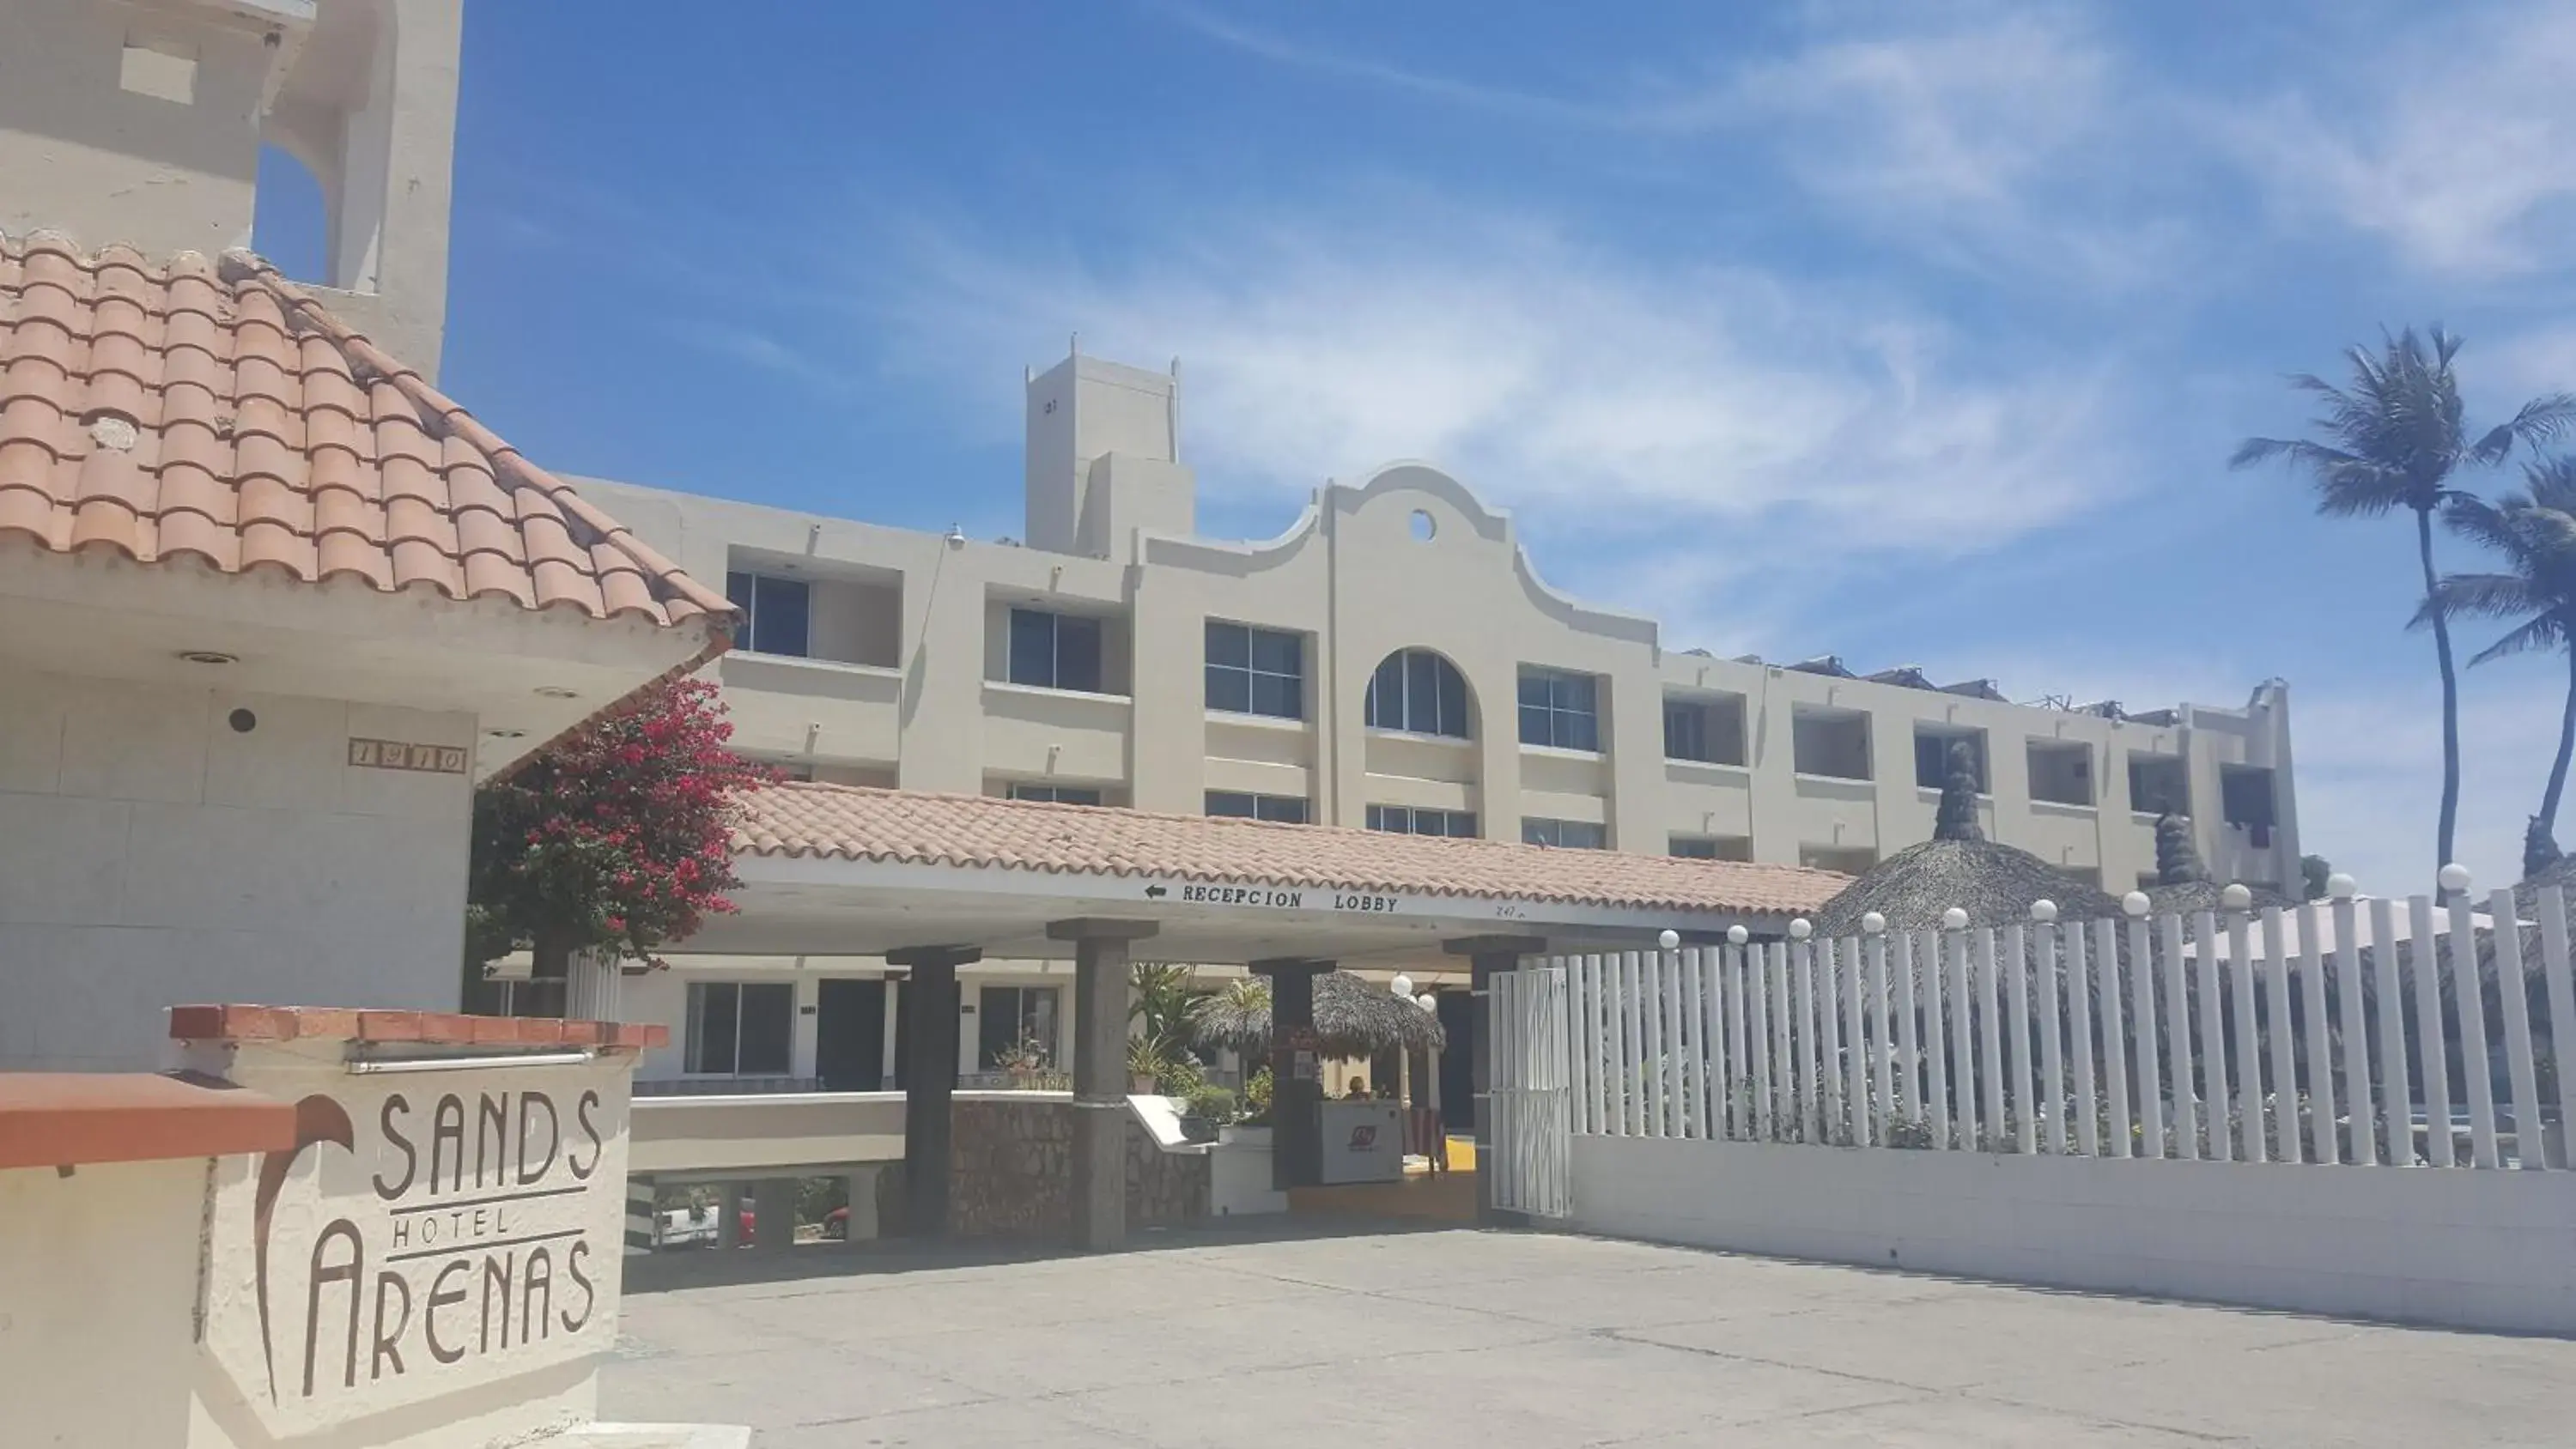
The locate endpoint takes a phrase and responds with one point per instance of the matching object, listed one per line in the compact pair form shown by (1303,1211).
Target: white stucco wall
(150,855)
(98,1275)
(2485,1250)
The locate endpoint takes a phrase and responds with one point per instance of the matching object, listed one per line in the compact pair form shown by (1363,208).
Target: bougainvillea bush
(616,838)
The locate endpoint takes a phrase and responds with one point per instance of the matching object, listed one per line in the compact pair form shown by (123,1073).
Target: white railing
(2335,1032)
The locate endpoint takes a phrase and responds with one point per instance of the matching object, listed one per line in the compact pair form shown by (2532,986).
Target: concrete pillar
(773,1223)
(729,1214)
(1296,1073)
(1487,955)
(893,1004)
(863,1204)
(930,1068)
(1101,950)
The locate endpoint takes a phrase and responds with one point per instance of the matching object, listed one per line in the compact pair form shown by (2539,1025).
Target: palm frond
(2538,421)
(2546,632)
(2479,596)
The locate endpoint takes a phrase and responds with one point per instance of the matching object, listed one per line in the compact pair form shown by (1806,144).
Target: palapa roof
(1994,883)
(1352,1019)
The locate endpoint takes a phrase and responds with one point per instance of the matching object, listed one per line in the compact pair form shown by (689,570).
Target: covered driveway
(931,882)
(1526,1341)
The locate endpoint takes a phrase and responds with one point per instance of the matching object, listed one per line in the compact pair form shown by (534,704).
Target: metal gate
(1532,1135)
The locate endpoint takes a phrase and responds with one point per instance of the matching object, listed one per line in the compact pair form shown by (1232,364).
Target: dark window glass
(1693,847)
(1056,794)
(714,1008)
(2245,797)
(1077,654)
(1559,710)
(774,613)
(1243,805)
(1419,692)
(1007,1015)
(1256,671)
(1685,731)
(1033,648)
(1229,645)
(779,616)
(768,1017)
(1564,834)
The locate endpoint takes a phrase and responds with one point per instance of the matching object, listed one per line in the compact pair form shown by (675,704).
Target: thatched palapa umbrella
(1352,1018)
(2183,886)
(1958,867)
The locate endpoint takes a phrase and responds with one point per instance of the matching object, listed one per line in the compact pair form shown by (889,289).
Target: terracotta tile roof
(214,411)
(853,822)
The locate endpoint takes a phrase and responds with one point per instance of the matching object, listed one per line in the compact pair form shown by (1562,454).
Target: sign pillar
(1101,951)
(1487,955)
(1296,1073)
(434,1257)
(930,1080)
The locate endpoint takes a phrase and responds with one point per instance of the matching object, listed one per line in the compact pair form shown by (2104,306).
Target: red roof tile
(238,1022)
(215,411)
(853,822)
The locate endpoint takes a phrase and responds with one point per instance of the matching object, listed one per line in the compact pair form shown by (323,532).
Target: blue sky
(1915,334)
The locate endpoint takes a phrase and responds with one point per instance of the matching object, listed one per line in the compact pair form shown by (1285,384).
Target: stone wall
(1011,1173)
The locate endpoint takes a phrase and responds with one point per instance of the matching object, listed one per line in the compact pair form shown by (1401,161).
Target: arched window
(1418,692)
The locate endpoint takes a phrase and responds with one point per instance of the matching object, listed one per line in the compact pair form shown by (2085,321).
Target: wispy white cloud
(2456,141)
(1647,400)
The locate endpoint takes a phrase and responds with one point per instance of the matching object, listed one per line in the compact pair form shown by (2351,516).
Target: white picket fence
(2230,1036)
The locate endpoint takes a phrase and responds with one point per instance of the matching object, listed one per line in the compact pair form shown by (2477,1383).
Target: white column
(893,1022)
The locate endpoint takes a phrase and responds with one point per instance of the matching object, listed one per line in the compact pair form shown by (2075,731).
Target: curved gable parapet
(1495,524)
(1242,557)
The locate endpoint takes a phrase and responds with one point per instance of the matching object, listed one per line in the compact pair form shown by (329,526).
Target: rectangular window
(1711,847)
(1933,749)
(2159,785)
(1710,731)
(2245,795)
(740,1029)
(1243,805)
(1256,671)
(2061,772)
(1055,651)
(1559,710)
(1008,1015)
(1422,820)
(1830,744)
(775,613)
(1564,834)
(1057,794)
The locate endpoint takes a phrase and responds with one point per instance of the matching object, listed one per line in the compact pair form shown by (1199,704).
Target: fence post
(1990,1031)
(2364,1146)
(2213,1035)
(1739,1064)
(2396,1103)
(2178,1052)
(1757,971)
(2052,1063)
(1933,965)
(2284,1038)
(2530,1138)
(2561,987)
(1802,981)
(1963,1045)
(2249,1055)
(2115,1038)
(2143,1024)
(1829,1034)
(1873,928)
(2321,1077)
(2471,1004)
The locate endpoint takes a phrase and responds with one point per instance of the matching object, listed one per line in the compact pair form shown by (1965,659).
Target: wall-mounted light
(556,691)
(208,656)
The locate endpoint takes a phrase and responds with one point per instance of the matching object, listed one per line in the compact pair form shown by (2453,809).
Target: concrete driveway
(1412,1339)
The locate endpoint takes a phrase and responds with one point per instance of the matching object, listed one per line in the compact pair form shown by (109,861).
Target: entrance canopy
(846,870)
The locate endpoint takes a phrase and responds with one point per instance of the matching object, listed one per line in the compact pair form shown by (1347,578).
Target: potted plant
(1145,1065)
(1205,1110)
(1251,1125)
(1023,1061)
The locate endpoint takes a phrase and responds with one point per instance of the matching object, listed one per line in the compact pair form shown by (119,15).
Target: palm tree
(2392,440)
(2535,531)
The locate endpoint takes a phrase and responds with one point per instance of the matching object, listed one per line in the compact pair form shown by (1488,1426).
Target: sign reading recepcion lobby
(436,1260)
